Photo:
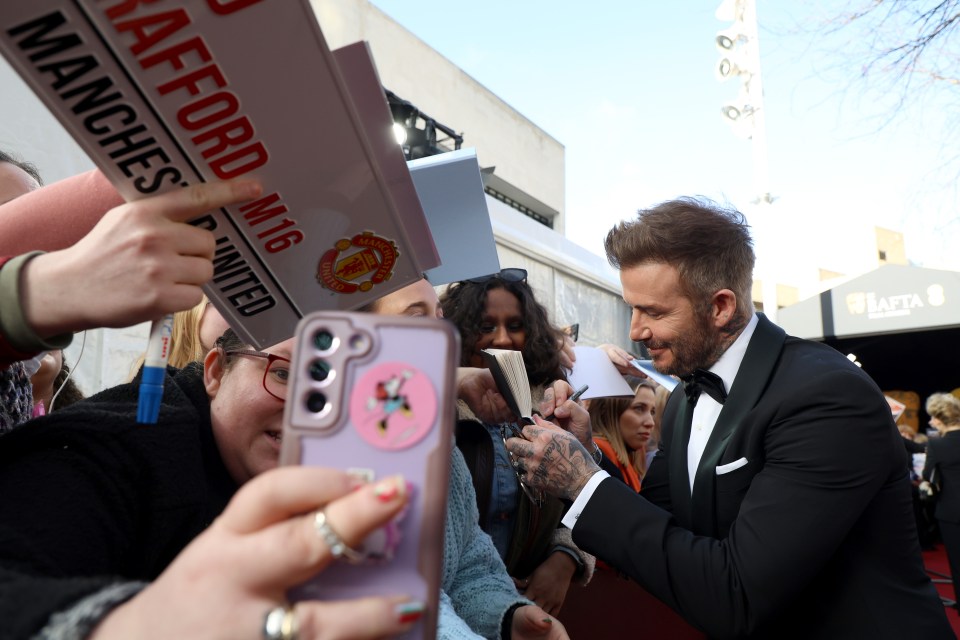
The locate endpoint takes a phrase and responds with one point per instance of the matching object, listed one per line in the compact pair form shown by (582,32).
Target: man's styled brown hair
(709,245)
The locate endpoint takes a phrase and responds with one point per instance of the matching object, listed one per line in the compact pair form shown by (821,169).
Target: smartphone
(374,395)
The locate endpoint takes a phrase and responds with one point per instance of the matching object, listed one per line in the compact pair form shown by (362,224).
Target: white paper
(594,368)
(646,367)
(896,407)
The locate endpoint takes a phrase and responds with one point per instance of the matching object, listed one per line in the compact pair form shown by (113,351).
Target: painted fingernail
(390,488)
(548,620)
(409,612)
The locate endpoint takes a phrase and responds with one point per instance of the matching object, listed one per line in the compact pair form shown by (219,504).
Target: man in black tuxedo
(778,505)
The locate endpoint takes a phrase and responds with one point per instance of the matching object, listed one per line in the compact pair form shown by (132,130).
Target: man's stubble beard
(702,346)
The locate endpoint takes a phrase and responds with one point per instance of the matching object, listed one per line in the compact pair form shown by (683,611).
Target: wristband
(506,627)
(573,555)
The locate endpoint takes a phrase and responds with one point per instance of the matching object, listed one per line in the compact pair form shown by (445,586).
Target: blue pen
(154,369)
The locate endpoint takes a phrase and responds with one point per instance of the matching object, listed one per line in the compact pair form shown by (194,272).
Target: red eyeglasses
(275,376)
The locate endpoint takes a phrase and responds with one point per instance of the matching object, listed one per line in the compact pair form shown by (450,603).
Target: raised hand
(476,387)
(621,360)
(568,414)
(552,459)
(265,542)
(141,261)
(532,622)
(567,355)
(548,584)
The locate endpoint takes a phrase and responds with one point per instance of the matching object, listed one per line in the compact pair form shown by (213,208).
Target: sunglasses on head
(513,274)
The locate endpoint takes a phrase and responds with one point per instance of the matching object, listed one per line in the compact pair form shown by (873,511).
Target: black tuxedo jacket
(800,524)
(944,454)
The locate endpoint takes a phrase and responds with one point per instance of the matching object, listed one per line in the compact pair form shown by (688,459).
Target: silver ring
(280,623)
(339,548)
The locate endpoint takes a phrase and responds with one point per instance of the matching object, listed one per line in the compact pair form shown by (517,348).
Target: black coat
(814,537)
(943,454)
(89,492)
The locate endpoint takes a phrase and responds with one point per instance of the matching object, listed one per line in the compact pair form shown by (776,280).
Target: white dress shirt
(707,411)
(705,416)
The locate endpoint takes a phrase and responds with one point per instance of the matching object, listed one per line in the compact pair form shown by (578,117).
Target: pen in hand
(154,370)
(576,396)
(579,392)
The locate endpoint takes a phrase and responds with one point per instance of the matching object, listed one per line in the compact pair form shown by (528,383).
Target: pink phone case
(386,387)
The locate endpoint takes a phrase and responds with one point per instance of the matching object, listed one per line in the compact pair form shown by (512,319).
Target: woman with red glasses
(500,311)
(185,528)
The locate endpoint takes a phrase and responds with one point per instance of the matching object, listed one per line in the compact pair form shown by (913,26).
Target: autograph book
(510,374)
(163,95)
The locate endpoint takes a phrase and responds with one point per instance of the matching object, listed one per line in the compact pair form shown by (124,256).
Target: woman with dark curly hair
(500,311)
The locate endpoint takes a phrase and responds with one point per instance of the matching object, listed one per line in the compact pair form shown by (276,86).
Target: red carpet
(627,610)
(939,569)
(611,607)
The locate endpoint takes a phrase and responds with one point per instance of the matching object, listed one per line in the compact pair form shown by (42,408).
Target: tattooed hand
(570,415)
(552,459)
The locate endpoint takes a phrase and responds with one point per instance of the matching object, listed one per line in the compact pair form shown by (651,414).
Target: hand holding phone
(374,395)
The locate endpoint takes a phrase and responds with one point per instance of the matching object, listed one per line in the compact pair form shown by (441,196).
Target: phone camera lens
(359,343)
(316,402)
(323,340)
(319,370)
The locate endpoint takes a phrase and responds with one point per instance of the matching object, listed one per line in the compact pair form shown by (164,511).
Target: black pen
(579,392)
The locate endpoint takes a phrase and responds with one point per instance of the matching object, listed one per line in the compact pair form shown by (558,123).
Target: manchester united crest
(357,263)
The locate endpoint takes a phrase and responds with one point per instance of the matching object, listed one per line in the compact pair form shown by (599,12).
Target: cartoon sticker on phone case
(393,406)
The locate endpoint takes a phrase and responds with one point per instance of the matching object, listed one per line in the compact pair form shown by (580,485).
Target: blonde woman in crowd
(194,333)
(623,426)
(942,469)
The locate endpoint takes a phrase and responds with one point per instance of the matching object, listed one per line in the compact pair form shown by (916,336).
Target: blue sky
(628,86)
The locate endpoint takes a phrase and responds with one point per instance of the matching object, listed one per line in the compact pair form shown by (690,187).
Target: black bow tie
(701,380)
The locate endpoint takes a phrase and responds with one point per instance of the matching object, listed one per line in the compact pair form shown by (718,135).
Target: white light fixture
(399,133)
(740,118)
(727,39)
(726,69)
(734,64)
(731,112)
